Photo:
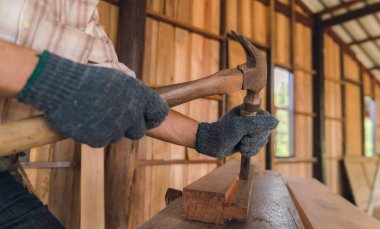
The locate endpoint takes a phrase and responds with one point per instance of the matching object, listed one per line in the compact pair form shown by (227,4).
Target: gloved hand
(234,132)
(93,105)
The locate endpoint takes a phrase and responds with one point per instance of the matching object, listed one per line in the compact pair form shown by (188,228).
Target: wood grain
(92,188)
(218,196)
(320,208)
(270,207)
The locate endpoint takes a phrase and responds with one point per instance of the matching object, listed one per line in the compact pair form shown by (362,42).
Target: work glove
(93,105)
(234,132)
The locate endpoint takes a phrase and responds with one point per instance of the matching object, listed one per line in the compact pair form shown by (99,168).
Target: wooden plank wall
(174,55)
(376,90)
(352,103)
(293,52)
(59,188)
(333,114)
(247,17)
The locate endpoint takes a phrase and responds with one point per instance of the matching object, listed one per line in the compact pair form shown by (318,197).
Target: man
(94,104)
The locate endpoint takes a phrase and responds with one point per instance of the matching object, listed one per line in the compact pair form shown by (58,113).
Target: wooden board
(353,132)
(219,196)
(92,188)
(351,68)
(320,208)
(361,173)
(270,207)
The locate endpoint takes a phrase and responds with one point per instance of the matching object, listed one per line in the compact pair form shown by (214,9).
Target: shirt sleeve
(103,51)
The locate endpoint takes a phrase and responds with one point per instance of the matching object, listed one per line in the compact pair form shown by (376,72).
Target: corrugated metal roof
(358,29)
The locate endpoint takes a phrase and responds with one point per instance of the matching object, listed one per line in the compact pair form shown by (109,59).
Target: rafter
(339,6)
(376,67)
(351,15)
(364,40)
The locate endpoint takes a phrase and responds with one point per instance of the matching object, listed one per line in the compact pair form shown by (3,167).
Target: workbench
(279,203)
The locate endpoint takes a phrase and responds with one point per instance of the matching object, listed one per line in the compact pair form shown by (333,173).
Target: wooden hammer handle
(24,134)
(250,106)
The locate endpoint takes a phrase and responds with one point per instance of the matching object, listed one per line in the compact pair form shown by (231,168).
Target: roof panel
(362,56)
(331,3)
(341,33)
(371,24)
(373,51)
(355,30)
(313,5)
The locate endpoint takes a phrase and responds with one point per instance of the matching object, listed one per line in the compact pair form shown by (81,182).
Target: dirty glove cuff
(93,105)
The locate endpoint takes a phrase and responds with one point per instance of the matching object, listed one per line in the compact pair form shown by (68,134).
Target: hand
(234,132)
(93,105)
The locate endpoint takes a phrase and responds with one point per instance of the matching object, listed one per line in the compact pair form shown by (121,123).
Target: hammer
(255,79)
(24,134)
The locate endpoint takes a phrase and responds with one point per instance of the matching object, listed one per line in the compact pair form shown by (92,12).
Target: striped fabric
(69,28)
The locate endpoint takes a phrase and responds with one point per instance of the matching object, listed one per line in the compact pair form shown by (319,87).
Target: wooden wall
(174,55)
(248,18)
(333,114)
(292,50)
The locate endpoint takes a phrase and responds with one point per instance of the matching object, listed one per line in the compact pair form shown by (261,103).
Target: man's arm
(18,63)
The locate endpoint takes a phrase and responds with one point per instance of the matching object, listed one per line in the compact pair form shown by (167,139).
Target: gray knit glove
(234,132)
(93,105)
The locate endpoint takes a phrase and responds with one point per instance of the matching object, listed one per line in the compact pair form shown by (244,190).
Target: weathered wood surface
(270,207)
(361,172)
(219,196)
(320,208)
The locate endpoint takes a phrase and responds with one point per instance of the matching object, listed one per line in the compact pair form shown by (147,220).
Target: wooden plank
(64,184)
(353,120)
(92,210)
(361,172)
(259,20)
(282,54)
(270,207)
(320,208)
(244,19)
(351,69)
(219,196)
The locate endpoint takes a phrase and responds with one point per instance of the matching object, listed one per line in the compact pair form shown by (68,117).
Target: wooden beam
(320,208)
(121,160)
(219,196)
(343,5)
(286,10)
(374,8)
(177,162)
(358,42)
(187,26)
(270,207)
(304,7)
(92,208)
(318,101)
(377,67)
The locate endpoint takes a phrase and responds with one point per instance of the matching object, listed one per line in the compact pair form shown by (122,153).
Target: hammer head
(255,69)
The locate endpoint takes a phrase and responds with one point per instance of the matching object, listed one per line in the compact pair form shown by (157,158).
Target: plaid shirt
(69,28)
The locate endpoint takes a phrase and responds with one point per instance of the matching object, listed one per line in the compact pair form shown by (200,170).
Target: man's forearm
(177,129)
(16,65)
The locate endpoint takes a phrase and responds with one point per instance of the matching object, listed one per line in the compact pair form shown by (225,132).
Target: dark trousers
(19,209)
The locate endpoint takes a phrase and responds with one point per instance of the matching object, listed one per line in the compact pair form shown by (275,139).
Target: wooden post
(121,158)
(318,102)
(270,86)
